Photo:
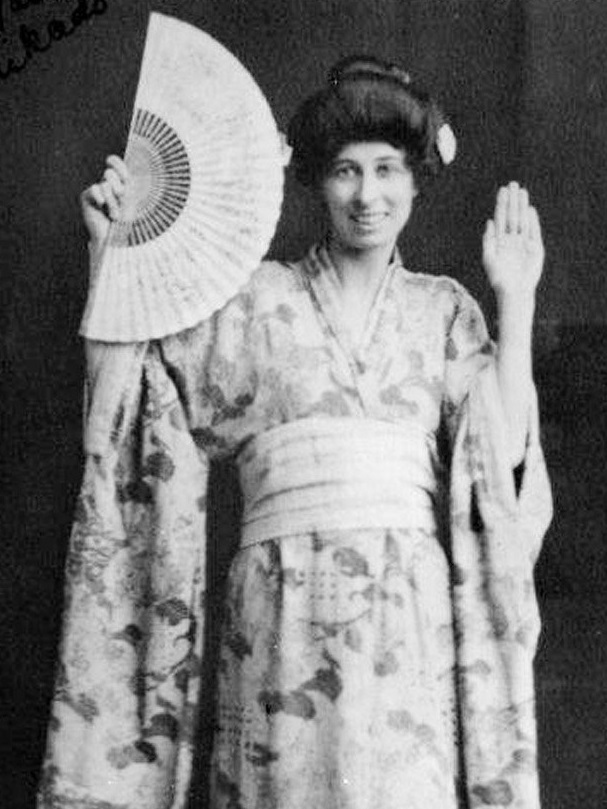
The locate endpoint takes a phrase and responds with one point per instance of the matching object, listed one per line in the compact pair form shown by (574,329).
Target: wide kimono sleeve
(127,691)
(497,520)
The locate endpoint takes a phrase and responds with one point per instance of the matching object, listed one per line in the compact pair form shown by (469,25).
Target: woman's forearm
(95,251)
(514,368)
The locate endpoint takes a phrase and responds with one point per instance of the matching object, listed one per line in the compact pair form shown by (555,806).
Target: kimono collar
(319,262)
(326,288)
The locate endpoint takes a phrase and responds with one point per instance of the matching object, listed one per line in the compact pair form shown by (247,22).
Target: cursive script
(31,26)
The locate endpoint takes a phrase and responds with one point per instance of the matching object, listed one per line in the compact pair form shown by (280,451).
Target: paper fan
(206,167)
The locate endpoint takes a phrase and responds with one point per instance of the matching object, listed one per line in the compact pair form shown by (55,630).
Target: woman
(380,620)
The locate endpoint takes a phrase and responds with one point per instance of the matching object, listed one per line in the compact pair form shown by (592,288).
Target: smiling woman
(380,621)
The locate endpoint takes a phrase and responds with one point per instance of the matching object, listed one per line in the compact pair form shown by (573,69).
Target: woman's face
(369,192)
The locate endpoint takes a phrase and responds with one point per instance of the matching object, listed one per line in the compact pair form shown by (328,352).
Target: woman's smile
(369,219)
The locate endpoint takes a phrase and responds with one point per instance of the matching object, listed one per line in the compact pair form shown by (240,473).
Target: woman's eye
(343,171)
(386,169)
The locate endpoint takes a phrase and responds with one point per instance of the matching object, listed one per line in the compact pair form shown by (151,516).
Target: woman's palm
(513,250)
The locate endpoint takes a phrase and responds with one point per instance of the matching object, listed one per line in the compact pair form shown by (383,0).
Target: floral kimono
(380,620)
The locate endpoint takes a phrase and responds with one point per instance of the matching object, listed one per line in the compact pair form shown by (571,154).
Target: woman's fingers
(112,199)
(102,197)
(119,166)
(116,175)
(513,224)
(113,186)
(108,193)
(490,230)
(102,201)
(93,196)
(513,211)
(534,227)
(489,240)
(501,211)
(523,211)
(114,181)
(106,196)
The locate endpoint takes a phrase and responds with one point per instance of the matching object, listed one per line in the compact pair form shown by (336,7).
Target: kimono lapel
(325,288)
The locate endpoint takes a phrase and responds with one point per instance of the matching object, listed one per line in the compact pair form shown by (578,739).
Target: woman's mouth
(368,220)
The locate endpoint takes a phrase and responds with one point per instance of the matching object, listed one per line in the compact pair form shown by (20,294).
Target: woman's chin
(370,241)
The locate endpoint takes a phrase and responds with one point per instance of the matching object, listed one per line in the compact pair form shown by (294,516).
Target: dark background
(525,83)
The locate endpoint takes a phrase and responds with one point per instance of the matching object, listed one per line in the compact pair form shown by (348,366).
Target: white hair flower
(285,150)
(446,144)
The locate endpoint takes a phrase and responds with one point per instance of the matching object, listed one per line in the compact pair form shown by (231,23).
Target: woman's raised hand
(101,203)
(513,249)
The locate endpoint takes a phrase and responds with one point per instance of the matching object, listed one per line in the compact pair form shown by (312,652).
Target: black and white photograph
(303,384)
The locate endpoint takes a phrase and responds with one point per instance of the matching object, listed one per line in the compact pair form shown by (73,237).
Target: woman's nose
(367,188)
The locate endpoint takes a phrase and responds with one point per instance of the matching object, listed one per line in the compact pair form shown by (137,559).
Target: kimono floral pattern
(374,667)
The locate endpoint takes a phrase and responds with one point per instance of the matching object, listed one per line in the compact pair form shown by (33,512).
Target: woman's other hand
(513,249)
(513,256)
(101,203)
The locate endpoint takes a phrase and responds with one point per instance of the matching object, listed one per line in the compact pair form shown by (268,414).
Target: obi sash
(322,474)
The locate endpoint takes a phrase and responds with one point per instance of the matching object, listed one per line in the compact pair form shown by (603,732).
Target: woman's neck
(360,271)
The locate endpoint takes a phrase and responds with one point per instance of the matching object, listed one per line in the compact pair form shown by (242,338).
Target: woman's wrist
(515,315)
(95,249)
(515,298)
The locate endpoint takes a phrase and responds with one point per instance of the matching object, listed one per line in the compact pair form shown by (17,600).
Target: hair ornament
(401,74)
(446,144)
(366,65)
(286,150)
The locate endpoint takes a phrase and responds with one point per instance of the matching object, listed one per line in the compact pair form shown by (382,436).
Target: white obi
(322,474)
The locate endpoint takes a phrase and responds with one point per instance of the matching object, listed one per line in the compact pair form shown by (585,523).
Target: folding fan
(205,190)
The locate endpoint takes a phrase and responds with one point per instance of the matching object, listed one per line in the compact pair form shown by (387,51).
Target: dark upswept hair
(365,99)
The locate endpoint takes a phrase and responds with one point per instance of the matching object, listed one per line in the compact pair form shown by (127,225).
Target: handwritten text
(31,26)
